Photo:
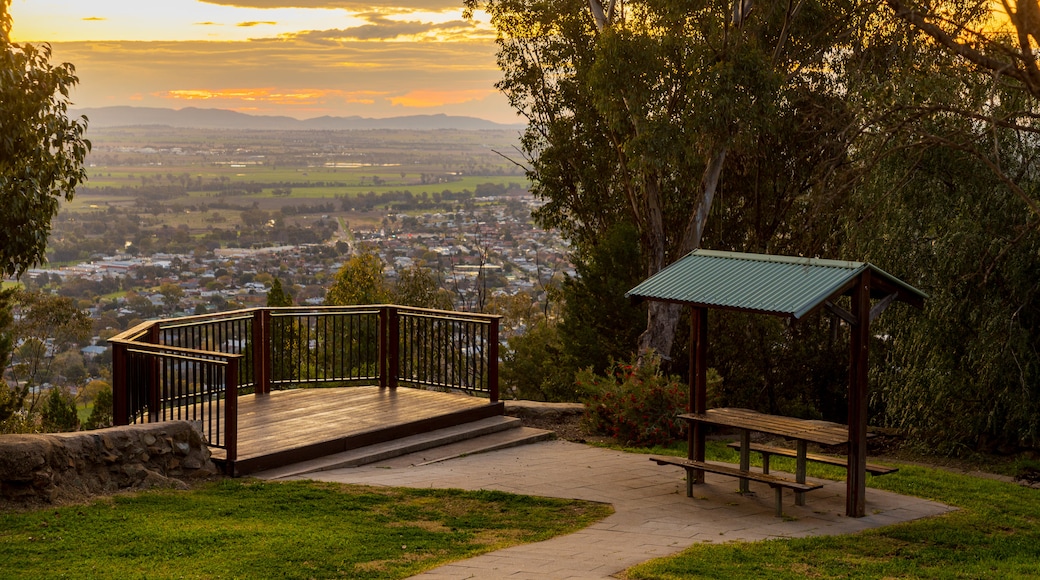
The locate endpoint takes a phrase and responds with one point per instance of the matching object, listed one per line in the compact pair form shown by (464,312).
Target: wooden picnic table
(802,431)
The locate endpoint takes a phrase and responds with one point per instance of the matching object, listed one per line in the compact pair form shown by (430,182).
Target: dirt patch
(563,419)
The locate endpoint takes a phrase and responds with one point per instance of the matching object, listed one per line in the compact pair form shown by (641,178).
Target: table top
(822,432)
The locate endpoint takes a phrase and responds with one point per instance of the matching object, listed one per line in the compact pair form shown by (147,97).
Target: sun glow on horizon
(324,57)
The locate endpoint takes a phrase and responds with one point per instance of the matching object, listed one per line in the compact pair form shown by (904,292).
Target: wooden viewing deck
(274,386)
(285,427)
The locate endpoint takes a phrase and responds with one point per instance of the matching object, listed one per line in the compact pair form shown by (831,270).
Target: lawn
(254,529)
(994,534)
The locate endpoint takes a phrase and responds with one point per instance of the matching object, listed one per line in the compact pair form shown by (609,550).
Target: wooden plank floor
(288,426)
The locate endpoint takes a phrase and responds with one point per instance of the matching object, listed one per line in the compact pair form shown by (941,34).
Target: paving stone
(653,517)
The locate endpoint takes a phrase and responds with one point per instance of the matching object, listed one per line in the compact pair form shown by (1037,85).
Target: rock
(61,467)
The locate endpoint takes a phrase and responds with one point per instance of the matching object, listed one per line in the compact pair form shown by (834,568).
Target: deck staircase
(492,433)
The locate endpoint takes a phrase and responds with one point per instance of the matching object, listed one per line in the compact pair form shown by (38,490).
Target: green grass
(994,534)
(254,529)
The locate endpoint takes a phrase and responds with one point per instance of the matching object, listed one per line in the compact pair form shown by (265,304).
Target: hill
(195,118)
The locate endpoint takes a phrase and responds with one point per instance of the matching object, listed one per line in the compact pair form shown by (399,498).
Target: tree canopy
(41,148)
(637,114)
(901,133)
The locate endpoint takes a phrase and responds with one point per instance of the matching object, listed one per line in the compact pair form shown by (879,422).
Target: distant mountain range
(195,118)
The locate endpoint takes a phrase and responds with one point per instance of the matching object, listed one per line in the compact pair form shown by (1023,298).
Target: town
(142,240)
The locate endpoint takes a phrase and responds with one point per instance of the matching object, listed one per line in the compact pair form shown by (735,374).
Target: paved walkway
(653,517)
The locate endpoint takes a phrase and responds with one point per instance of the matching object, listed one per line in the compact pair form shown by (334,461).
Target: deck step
(483,435)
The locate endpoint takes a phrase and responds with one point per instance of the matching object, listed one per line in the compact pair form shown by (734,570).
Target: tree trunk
(663,317)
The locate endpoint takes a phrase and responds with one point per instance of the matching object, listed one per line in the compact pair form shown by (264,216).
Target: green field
(274,168)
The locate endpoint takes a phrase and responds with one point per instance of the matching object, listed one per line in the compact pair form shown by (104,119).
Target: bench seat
(777,483)
(767,450)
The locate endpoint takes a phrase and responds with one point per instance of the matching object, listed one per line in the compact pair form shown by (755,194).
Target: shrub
(635,404)
(101,415)
(59,412)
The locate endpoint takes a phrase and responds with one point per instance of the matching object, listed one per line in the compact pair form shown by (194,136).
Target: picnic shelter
(790,287)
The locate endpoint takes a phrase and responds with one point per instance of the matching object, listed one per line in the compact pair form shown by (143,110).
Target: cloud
(351,5)
(272,96)
(256,23)
(381,28)
(292,76)
(93,19)
(433,98)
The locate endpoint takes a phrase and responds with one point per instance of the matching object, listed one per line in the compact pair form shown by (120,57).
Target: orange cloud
(94,19)
(427,98)
(269,96)
(256,23)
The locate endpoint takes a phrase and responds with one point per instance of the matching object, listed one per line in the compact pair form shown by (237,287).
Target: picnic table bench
(777,483)
(769,450)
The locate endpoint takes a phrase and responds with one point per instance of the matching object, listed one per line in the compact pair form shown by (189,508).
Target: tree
(276,297)
(417,286)
(48,325)
(171,294)
(633,115)
(59,411)
(359,281)
(11,399)
(41,149)
(598,324)
(101,414)
(999,40)
(964,375)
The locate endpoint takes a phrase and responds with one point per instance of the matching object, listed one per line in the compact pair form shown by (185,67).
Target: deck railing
(195,367)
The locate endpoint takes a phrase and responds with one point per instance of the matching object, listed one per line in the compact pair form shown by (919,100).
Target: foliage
(101,414)
(47,325)
(59,411)
(637,117)
(417,286)
(359,281)
(298,529)
(598,324)
(636,404)
(773,366)
(535,366)
(41,149)
(276,296)
(964,374)
(9,403)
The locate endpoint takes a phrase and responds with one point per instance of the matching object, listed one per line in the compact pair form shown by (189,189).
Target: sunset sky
(300,58)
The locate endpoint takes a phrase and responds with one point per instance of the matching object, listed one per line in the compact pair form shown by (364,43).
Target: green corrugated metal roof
(779,285)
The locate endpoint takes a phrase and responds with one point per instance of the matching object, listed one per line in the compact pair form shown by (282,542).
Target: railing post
(393,339)
(261,351)
(384,331)
(120,389)
(493,360)
(154,397)
(231,413)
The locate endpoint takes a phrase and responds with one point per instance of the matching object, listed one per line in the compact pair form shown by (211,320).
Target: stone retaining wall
(67,467)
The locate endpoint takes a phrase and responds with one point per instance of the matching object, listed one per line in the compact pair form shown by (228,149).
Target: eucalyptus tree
(636,112)
(999,41)
(41,148)
(964,375)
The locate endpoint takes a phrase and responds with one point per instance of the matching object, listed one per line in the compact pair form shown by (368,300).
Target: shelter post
(698,399)
(859,343)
